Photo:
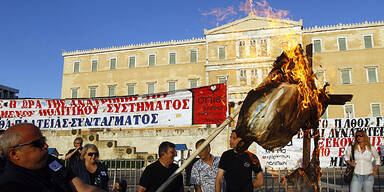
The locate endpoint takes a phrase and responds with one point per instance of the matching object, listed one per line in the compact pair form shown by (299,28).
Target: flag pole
(202,146)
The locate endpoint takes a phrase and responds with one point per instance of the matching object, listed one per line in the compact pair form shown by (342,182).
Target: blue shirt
(204,175)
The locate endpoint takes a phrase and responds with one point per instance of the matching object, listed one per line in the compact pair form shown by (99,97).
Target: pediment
(253,23)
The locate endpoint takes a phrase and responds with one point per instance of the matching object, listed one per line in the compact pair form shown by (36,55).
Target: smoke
(261,8)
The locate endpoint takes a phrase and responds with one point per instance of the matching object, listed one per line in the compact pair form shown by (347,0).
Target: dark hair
(79,139)
(122,184)
(236,131)
(164,146)
(200,141)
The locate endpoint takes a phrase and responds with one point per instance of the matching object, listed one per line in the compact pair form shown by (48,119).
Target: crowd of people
(232,172)
(26,166)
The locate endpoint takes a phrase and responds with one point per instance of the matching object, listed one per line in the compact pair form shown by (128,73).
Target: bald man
(30,168)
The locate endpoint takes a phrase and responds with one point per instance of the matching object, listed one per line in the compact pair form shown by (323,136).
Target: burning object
(284,102)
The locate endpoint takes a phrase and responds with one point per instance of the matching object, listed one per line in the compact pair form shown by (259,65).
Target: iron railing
(331,179)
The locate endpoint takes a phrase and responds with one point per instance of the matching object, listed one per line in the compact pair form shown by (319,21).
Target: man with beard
(30,168)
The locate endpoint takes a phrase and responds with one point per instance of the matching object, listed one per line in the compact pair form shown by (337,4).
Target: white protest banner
(169,109)
(335,136)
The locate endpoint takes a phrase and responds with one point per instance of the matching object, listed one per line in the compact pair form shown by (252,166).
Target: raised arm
(69,155)
(79,185)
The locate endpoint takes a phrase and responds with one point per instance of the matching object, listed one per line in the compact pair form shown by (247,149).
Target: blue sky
(33,33)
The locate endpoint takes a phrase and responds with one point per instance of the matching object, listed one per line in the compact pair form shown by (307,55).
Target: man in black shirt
(158,172)
(237,169)
(30,168)
(73,155)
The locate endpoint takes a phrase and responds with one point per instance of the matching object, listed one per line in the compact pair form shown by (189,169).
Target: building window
(253,48)
(112,63)
(76,67)
(325,114)
(111,90)
(348,111)
(320,80)
(172,58)
(346,76)
(221,52)
(151,87)
(368,42)
(152,60)
(74,93)
(131,88)
(265,72)
(221,79)
(241,49)
(284,45)
(263,47)
(376,109)
(254,77)
(132,62)
(243,76)
(92,92)
(94,66)
(342,43)
(372,74)
(193,83)
(171,85)
(193,56)
(317,45)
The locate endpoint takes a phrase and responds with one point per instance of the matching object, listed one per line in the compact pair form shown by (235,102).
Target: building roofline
(342,26)
(252,16)
(9,88)
(134,46)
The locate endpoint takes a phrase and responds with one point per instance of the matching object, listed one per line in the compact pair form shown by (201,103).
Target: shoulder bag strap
(353,152)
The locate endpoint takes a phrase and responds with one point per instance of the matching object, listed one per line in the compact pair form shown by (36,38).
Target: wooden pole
(202,146)
(306,147)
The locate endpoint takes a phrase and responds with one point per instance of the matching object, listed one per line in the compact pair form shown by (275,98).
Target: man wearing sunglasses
(30,168)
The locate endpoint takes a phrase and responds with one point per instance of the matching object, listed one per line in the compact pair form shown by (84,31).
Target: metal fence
(331,179)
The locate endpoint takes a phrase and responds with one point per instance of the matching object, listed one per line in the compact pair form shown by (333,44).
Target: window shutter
(372,75)
(368,41)
(345,77)
(376,110)
(317,46)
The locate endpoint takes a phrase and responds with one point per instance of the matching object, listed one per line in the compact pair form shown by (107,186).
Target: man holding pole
(158,172)
(237,167)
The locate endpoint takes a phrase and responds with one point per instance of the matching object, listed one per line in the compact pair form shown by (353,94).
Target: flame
(263,9)
(298,70)
(221,14)
(259,8)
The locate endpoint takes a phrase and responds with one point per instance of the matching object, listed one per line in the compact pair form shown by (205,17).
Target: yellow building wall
(181,72)
(356,58)
(209,67)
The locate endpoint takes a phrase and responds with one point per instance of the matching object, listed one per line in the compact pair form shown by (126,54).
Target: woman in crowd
(364,154)
(90,170)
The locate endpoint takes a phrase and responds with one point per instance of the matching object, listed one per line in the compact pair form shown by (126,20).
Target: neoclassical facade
(348,56)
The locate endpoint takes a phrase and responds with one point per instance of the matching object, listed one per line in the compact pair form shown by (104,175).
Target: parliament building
(350,57)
